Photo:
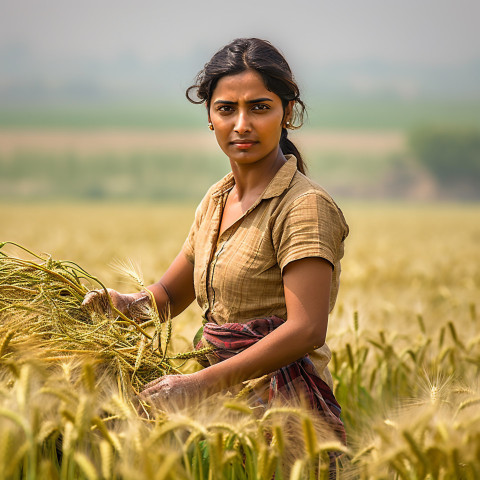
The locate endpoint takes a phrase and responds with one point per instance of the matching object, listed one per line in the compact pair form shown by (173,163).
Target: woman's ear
(210,124)
(287,117)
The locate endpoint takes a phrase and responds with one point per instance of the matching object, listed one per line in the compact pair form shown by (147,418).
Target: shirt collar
(279,183)
(282,179)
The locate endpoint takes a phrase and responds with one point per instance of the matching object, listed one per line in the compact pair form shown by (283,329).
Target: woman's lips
(243,144)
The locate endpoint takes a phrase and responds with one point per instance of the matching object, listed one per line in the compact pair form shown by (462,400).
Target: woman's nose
(242,123)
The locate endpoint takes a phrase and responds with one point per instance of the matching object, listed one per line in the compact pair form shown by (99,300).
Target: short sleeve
(311,226)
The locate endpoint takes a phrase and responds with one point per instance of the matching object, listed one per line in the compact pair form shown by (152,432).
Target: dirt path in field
(127,141)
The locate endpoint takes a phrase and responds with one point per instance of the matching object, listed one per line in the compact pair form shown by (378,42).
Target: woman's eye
(224,108)
(261,106)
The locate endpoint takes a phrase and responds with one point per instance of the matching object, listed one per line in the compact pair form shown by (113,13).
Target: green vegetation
(156,115)
(391,114)
(452,155)
(113,176)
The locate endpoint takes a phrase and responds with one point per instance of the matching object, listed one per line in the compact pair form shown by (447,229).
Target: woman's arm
(176,286)
(307,296)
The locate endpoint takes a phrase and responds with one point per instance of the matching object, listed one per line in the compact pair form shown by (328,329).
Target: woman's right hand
(133,305)
(175,292)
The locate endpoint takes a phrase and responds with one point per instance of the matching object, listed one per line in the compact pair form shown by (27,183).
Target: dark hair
(259,55)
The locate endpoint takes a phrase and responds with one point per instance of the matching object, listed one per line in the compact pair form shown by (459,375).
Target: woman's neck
(252,179)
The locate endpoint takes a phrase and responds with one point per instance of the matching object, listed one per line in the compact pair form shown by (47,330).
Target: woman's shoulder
(308,222)
(303,190)
(302,185)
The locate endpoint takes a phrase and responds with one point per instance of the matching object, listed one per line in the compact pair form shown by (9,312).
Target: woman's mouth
(243,144)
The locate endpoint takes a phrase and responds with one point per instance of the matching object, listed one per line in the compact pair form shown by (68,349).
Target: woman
(262,258)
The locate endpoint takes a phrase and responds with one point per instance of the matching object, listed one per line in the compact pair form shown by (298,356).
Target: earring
(210,125)
(287,124)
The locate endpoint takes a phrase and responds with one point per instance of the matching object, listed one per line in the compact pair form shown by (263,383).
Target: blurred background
(92,103)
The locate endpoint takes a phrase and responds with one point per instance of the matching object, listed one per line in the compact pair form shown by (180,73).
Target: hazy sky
(411,31)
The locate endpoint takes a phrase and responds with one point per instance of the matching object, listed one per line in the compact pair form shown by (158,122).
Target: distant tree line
(452,156)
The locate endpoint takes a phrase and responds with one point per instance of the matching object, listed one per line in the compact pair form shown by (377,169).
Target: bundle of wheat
(41,309)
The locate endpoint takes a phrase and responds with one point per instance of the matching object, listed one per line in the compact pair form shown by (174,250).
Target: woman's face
(247,118)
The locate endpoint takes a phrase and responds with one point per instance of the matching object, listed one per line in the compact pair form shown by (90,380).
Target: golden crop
(404,336)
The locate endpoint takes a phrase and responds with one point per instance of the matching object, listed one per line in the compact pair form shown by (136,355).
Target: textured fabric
(238,275)
(292,383)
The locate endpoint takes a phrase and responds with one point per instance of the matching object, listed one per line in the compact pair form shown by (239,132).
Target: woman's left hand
(172,392)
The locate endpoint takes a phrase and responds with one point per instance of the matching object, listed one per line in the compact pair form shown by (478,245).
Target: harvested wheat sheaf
(41,310)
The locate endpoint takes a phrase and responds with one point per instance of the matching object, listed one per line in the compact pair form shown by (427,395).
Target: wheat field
(404,336)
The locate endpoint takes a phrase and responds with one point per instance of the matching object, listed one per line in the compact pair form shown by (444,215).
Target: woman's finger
(91,297)
(152,383)
(157,389)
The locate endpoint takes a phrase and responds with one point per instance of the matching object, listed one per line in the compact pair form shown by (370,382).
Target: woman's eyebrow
(256,100)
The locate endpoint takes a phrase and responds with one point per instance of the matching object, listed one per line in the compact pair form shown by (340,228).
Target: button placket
(219,250)
(217,247)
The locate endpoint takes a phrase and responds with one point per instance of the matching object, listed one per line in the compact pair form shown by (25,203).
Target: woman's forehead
(240,85)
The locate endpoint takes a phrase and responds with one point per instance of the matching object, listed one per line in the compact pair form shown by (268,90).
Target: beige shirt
(238,276)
